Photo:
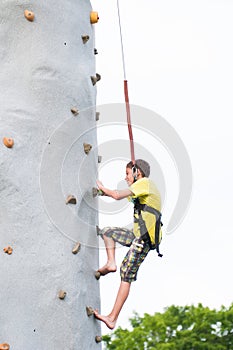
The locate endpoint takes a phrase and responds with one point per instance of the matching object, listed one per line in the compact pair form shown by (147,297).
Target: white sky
(179,58)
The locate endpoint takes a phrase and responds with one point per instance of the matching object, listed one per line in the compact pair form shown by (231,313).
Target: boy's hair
(142,165)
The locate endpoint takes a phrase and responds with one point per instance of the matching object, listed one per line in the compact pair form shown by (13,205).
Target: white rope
(122,48)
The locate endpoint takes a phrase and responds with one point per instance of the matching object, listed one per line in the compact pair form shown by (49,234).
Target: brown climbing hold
(29,15)
(87,147)
(99,159)
(97,116)
(98,231)
(98,76)
(94,17)
(95,78)
(71,199)
(97,192)
(85,38)
(8,142)
(97,275)
(89,311)
(76,248)
(62,294)
(98,339)
(94,191)
(74,111)
(8,250)
(4,346)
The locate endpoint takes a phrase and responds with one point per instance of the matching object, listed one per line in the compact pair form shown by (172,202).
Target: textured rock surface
(45,72)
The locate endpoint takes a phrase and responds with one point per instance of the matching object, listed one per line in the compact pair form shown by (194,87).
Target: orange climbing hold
(8,142)
(62,294)
(4,346)
(87,147)
(94,17)
(29,15)
(9,251)
(76,248)
(71,199)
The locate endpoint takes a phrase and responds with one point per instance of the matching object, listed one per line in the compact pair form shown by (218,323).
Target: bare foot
(106,319)
(107,268)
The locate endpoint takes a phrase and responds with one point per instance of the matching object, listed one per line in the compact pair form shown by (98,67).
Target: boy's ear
(139,172)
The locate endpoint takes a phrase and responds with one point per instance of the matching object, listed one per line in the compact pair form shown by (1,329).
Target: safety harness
(138,208)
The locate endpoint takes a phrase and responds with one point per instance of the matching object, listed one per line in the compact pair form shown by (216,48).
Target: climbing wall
(48,168)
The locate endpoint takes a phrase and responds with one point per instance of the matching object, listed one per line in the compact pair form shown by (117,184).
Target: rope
(126,91)
(129,121)
(122,47)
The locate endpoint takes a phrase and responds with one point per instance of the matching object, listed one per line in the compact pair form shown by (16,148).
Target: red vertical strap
(129,121)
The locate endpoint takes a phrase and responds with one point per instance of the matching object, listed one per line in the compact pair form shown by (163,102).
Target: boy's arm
(116,194)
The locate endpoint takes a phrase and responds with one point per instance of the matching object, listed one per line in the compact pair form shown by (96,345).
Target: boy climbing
(145,236)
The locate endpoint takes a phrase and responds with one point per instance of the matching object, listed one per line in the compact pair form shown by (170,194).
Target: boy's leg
(129,268)
(111,235)
(111,319)
(110,265)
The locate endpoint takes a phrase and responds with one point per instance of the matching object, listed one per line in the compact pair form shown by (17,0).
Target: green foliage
(177,328)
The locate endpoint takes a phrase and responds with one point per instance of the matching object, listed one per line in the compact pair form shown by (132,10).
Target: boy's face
(129,177)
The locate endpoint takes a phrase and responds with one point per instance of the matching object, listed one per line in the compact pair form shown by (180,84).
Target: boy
(145,236)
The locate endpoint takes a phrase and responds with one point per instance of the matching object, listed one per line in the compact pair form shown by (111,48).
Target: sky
(178,59)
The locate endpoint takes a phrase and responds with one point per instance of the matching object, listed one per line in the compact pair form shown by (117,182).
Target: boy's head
(140,165)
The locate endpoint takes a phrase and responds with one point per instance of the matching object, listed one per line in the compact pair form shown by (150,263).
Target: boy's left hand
(100,185)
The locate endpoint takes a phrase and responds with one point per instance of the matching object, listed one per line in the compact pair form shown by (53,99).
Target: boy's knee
(126,274)
(107,231)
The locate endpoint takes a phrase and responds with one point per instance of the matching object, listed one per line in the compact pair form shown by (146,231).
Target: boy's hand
(100,185)
(113,193)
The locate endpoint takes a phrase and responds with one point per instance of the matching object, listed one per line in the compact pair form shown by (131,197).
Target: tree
(177,328)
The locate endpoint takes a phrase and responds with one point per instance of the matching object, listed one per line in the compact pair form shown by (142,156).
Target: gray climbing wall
(47,107)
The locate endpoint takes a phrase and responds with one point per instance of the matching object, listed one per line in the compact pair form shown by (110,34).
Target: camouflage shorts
(136,254)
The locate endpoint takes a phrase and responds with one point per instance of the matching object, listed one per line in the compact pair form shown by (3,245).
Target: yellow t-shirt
(145,190)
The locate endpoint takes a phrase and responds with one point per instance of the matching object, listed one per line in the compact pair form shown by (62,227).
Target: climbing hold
(8,142)
(74,111)
(95,78)
(29,15)
(8,250)
(89,311)
(99,159)
(97,192)
(87,147)
(85,38)
(94,17)
(98,231)
(97,275)
(98,338)
(97,116)
(95,52)
(76,248)
(4,346)
(71,199)
(62,294)
(94,191)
